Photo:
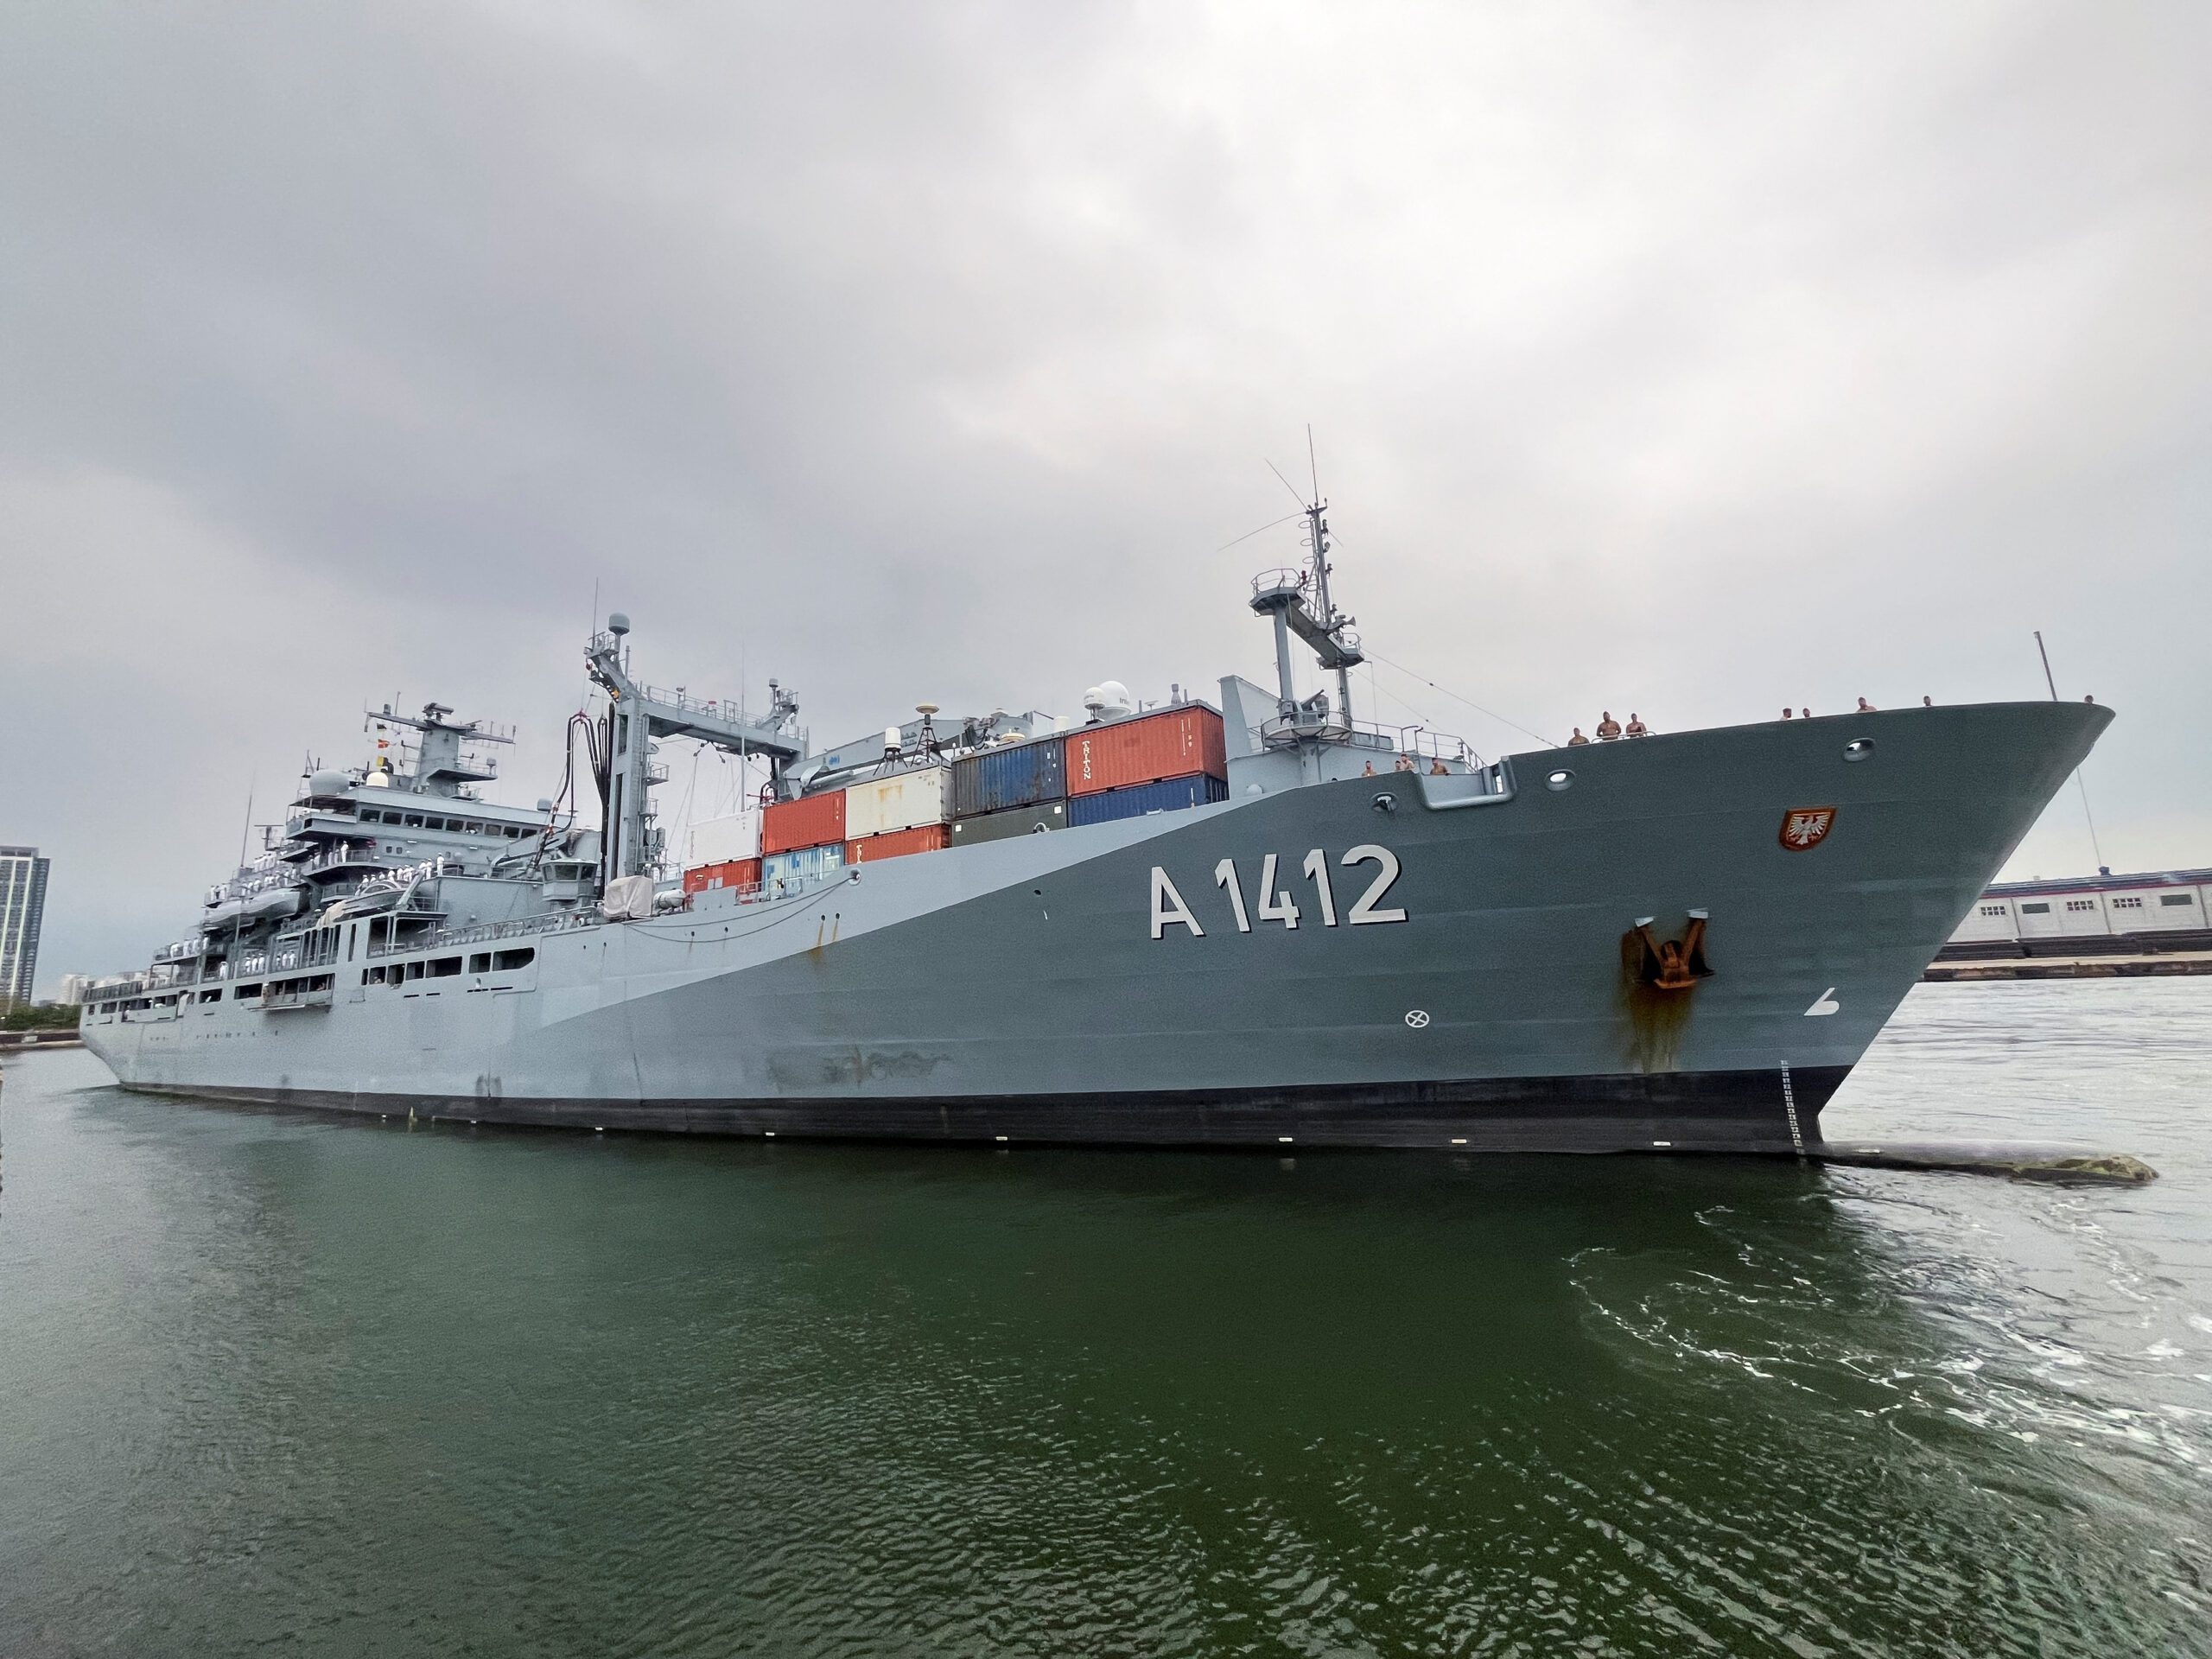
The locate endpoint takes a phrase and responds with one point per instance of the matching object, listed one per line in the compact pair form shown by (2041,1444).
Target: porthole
(1860,748)
(1560,779)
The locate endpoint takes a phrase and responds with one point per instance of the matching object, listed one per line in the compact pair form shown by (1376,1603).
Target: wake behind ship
(1259,923)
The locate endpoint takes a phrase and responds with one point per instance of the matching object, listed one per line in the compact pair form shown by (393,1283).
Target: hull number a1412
(1272,901)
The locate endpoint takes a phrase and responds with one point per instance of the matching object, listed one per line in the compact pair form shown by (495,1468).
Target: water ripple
(281,1384)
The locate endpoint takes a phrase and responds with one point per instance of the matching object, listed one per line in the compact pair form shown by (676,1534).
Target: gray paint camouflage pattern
(1015,989)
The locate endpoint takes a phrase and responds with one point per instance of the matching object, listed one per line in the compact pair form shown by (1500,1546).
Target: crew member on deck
(1636,728)
(1608,728)
(1578,739)
(1866,708)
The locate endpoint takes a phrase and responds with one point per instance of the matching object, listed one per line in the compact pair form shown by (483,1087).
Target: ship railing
(727,708)
(340,858)
(1425,744)
(766,892)
(588,916)
(553,922)
(242,887)
(1407,743)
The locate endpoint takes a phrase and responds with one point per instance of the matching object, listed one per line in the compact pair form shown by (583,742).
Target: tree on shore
(40,1016)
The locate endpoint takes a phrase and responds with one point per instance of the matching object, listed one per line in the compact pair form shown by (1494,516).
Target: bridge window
(508,961)
(444,967)
(480,963)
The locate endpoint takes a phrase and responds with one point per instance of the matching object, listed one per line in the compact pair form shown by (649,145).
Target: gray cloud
(1691,360)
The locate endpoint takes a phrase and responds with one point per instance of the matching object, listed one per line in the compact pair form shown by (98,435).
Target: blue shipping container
(1016,774)
(795,869)
(1169,795)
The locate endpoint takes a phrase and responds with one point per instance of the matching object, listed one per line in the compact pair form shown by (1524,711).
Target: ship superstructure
(1251,921)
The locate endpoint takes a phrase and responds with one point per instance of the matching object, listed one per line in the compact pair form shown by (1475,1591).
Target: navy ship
(1258,922)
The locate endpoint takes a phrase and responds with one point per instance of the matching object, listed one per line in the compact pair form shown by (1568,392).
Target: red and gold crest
(1806,827)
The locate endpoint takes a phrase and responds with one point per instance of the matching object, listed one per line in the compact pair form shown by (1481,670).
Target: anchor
(1667,965)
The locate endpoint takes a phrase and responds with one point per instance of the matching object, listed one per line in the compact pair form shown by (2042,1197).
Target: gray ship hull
(1096,985)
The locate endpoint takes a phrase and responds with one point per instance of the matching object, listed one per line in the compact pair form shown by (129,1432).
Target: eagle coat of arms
(1806,827)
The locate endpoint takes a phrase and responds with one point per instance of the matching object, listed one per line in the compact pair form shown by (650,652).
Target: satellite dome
(325,784)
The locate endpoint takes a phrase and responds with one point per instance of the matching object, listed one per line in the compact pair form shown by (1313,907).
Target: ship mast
(1331,624)
(1300,601)
(446,759)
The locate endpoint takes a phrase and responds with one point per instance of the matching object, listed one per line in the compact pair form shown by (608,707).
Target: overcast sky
(1686,359)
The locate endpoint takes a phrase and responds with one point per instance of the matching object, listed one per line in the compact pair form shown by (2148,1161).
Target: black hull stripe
(1709,1111)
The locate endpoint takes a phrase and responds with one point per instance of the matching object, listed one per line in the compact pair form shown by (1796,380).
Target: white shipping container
(718,841)
(906,800)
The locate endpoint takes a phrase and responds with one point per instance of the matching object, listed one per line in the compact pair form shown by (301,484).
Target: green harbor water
(277,1384)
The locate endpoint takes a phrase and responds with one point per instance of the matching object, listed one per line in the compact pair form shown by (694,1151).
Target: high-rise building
(77,990)
(22,904)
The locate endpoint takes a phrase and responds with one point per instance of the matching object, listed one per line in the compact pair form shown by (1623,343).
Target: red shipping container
(731,873)
(896,843)
(810,821)
(1173,743)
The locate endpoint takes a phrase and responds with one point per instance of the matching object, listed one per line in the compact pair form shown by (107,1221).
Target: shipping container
(801,866)
(717,840)
(1021,821)
(1176,742)
(734,872)
(1168,795)
(895,843)
(1013,774)
(902,801)
(810,821)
